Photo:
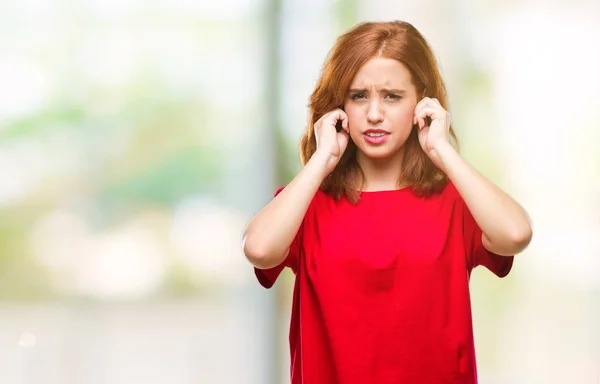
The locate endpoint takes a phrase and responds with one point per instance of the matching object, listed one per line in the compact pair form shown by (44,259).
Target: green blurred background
(137,138)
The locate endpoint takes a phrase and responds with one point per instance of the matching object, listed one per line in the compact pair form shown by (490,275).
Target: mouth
(375,132)
(375,136)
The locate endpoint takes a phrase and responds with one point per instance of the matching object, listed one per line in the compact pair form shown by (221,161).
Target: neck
(380,174)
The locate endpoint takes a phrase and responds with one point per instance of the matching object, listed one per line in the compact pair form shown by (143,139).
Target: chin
(379,153)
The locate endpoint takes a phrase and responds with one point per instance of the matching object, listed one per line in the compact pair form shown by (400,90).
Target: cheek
(403,116)
(353,113)
(355,119)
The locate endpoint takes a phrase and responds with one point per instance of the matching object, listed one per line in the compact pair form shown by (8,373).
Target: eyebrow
(385,90)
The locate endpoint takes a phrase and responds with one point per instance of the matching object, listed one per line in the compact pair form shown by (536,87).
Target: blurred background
(137,138)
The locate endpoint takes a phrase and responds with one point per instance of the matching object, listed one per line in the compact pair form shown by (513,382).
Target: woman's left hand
(434,135)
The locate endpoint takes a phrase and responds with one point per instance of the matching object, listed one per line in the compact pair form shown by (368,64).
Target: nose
(374,114)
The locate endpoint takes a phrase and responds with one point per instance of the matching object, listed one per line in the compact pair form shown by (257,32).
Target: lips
(375,136)
(376,131)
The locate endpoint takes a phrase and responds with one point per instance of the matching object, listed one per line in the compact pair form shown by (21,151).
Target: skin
(382,96)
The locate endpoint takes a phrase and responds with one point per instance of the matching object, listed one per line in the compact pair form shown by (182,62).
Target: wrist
(443,155)
(318,163)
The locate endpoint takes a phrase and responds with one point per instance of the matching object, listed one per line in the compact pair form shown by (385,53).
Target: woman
(384,223)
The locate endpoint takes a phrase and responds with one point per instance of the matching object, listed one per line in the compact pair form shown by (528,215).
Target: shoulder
(450,191)
(447,195)
(451,194)
(446,202)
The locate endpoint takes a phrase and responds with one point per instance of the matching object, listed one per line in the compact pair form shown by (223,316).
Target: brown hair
(395,40)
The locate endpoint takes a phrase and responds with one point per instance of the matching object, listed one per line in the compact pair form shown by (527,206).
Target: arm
(267,238)
(504,223)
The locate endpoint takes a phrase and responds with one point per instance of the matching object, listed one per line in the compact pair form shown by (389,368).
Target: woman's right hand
(330,143)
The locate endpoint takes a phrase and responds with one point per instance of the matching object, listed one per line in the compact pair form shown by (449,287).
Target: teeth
(375,134)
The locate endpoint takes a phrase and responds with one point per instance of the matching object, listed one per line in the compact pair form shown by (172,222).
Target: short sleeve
(476,252)
(267,277)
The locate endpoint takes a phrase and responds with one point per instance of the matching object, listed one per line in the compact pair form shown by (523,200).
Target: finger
(343,140)
(435,102)
(416,111)
(346,124)
(432,112)
(331,115)
(429,102)
(334,118)
(423,103)
(342,117)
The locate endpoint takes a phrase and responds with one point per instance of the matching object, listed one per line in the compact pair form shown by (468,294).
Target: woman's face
(380,107)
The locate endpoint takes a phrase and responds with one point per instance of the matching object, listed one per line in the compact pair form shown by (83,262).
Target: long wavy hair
(397,40)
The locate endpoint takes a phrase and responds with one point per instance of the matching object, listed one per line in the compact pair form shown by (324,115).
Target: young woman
(385,222)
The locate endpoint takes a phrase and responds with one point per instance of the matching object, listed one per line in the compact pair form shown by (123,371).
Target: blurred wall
(138,138)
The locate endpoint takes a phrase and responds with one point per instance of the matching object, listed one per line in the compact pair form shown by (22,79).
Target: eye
(357,96)
(392,96)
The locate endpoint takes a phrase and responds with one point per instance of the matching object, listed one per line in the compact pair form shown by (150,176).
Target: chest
(376,246)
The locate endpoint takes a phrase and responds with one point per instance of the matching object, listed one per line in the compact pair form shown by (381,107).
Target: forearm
(268,236)
(505,224)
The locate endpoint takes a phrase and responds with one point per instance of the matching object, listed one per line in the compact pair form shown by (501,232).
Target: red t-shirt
(382,289)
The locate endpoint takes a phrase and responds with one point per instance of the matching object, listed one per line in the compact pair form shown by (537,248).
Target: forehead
(382,72)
